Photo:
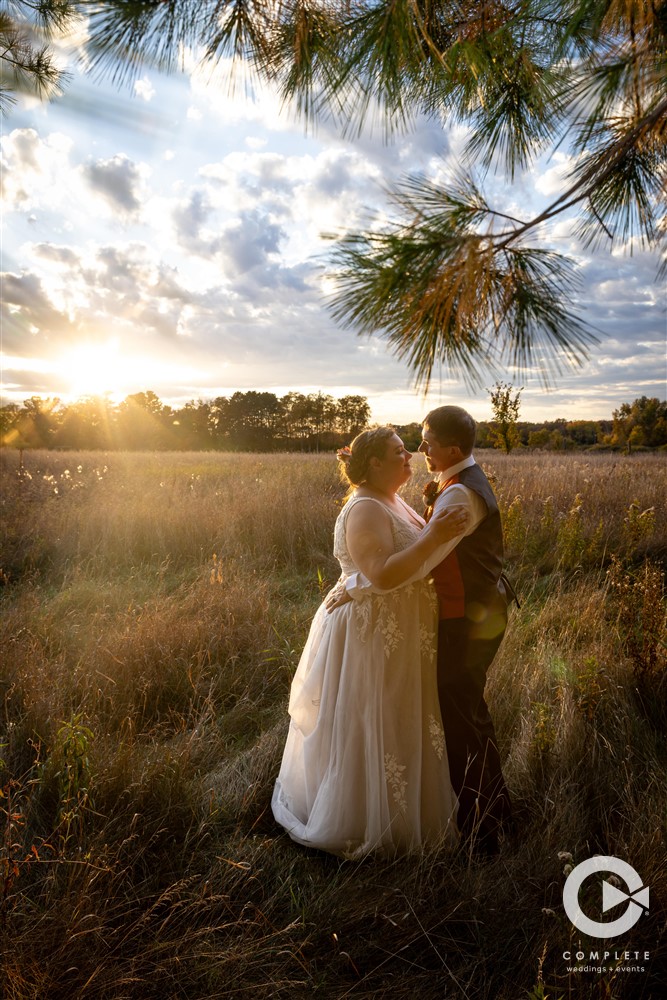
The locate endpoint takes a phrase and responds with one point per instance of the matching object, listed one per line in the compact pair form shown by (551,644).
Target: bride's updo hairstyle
(355,459)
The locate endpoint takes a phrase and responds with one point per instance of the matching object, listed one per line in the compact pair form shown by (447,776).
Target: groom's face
(438,456)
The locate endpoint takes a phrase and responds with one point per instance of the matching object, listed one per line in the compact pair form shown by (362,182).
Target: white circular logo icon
(636,897)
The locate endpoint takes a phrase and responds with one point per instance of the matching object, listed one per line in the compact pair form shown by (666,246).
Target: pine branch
(592,175)
(437,289)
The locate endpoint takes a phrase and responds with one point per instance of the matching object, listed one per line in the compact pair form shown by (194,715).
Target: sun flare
(96,370)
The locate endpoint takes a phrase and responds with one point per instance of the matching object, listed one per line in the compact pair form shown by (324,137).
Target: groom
(473,616)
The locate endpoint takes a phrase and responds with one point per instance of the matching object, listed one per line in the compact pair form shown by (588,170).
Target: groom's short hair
(452,425)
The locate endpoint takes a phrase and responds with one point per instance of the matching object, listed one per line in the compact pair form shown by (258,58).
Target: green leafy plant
(72,753)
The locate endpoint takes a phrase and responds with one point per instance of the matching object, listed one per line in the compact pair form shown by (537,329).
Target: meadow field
(154,609)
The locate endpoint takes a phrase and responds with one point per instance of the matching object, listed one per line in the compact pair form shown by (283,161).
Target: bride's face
(394,468)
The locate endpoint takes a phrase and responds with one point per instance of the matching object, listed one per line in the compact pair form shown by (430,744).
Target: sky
(170,235)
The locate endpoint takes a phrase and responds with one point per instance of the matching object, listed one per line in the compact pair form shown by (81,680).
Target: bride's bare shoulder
(364,512)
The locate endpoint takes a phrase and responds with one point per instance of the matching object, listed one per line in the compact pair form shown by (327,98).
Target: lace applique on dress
(388,628)
(362,617)
(437,734)
(394,774)
(427,641)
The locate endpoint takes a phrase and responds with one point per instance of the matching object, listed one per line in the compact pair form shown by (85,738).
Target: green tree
(218,421)
(455,281)
(87,423)
(33,425)
(294,419)
(322,418)
(252,419)
(10,416)
(144,421)
(505,405)
(411,435)
(352,415)
(191,429)
(539,439)
(643,422)
(38,422)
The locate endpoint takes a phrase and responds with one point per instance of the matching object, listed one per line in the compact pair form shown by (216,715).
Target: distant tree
(143,422)
(295,428)
(37,422)
(410,434)
(641,423)
(453,280)
(146,401)
(252,419)
(190,426)
(483,437)
(505,404)
(87,424)
(539,439)
(218,421)
(352,415)
(322,417)
(583,432)
(10,415)
(260,421)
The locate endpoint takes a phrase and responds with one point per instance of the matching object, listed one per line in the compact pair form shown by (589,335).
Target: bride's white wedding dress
(365,765)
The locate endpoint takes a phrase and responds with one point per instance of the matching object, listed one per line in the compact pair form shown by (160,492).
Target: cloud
(30,168)
(189,217)
(162,317)
(56,254)
(24,146)
(118,181)
(30,321)
(553,180)
(144,89)
(168,286)
(621,298)
(124,271)
(249,243)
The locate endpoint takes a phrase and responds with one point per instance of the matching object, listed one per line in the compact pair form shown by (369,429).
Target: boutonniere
(431,491)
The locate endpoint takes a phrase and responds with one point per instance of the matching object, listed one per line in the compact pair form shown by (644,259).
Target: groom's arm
(357,585)
(461,496)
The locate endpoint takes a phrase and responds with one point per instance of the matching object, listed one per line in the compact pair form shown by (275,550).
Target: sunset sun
(96,369)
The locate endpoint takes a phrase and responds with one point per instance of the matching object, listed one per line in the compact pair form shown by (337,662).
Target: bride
(365,766)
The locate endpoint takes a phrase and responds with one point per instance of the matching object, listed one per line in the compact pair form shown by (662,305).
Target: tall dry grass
(154,611)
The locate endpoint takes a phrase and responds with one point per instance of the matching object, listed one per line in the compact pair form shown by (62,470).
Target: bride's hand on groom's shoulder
(449,522)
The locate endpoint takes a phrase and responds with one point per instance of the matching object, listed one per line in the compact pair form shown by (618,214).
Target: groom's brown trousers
(474,763)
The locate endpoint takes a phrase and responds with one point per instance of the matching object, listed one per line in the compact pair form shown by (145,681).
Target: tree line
(245,421)
(262,421)
(640,424)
